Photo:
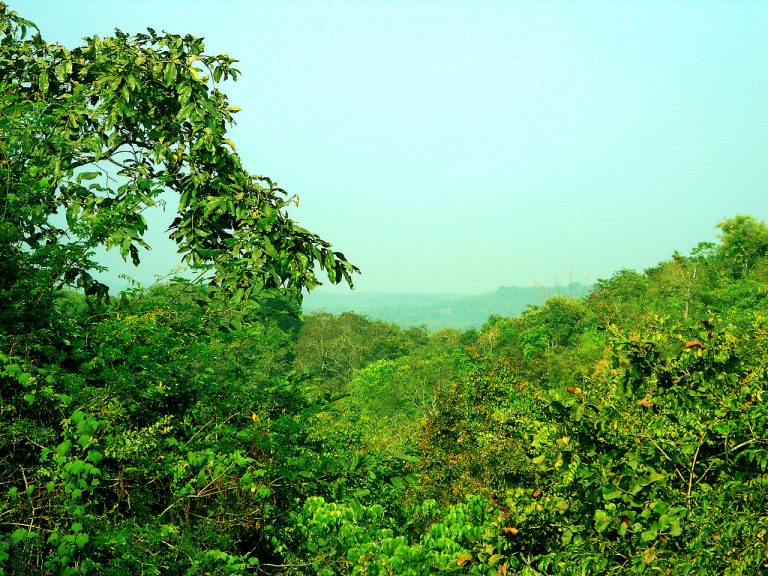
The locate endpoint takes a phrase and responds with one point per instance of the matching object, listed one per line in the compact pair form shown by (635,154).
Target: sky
(459,146)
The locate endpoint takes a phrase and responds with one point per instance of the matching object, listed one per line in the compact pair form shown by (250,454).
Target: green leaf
(20,534)
(649,535)
(407,457)
(95,456)
(81,539)
(170,73)
(655,477)
(675,529)
(42,81)
(186,110)
(602,520)
(64,448)
(76,467)
(611,492)
(73,210)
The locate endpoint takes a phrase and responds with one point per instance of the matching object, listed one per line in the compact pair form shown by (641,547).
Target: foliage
(202,430)
(97,134)
(658,462)
(632,460)
(744,244)
(349,539)
(136,436)
(116,454)
(333,347)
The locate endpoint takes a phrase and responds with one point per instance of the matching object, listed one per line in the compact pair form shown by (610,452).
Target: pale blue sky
(461,146)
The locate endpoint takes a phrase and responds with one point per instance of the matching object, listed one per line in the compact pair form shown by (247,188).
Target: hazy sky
(460,146)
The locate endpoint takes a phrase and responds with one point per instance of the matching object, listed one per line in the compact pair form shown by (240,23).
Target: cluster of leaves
(150,445)
(97,134)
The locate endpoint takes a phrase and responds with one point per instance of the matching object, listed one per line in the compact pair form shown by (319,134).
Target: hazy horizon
(336,291)
(457,147)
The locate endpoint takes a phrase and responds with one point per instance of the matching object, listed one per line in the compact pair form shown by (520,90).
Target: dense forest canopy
(209,428)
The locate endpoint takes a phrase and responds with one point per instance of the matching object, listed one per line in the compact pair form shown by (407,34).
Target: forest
(206,426)
(437,311)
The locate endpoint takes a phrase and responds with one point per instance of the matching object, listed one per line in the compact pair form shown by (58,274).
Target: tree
(744,242)
(141,439)
(333,347)
(97,134)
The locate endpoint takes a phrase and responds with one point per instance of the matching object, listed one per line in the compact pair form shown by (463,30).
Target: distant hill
(438,310)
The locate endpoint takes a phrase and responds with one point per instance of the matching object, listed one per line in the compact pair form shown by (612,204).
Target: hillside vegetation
(624,432)
(207,428)
(436,311)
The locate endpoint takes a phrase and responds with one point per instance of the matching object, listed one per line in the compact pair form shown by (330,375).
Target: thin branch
(660,449)
(693,465)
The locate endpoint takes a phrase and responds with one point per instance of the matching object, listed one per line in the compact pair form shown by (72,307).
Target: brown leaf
(463,559)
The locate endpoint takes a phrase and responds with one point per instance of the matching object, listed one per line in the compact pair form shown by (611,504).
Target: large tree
(95,135)
(140,439)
